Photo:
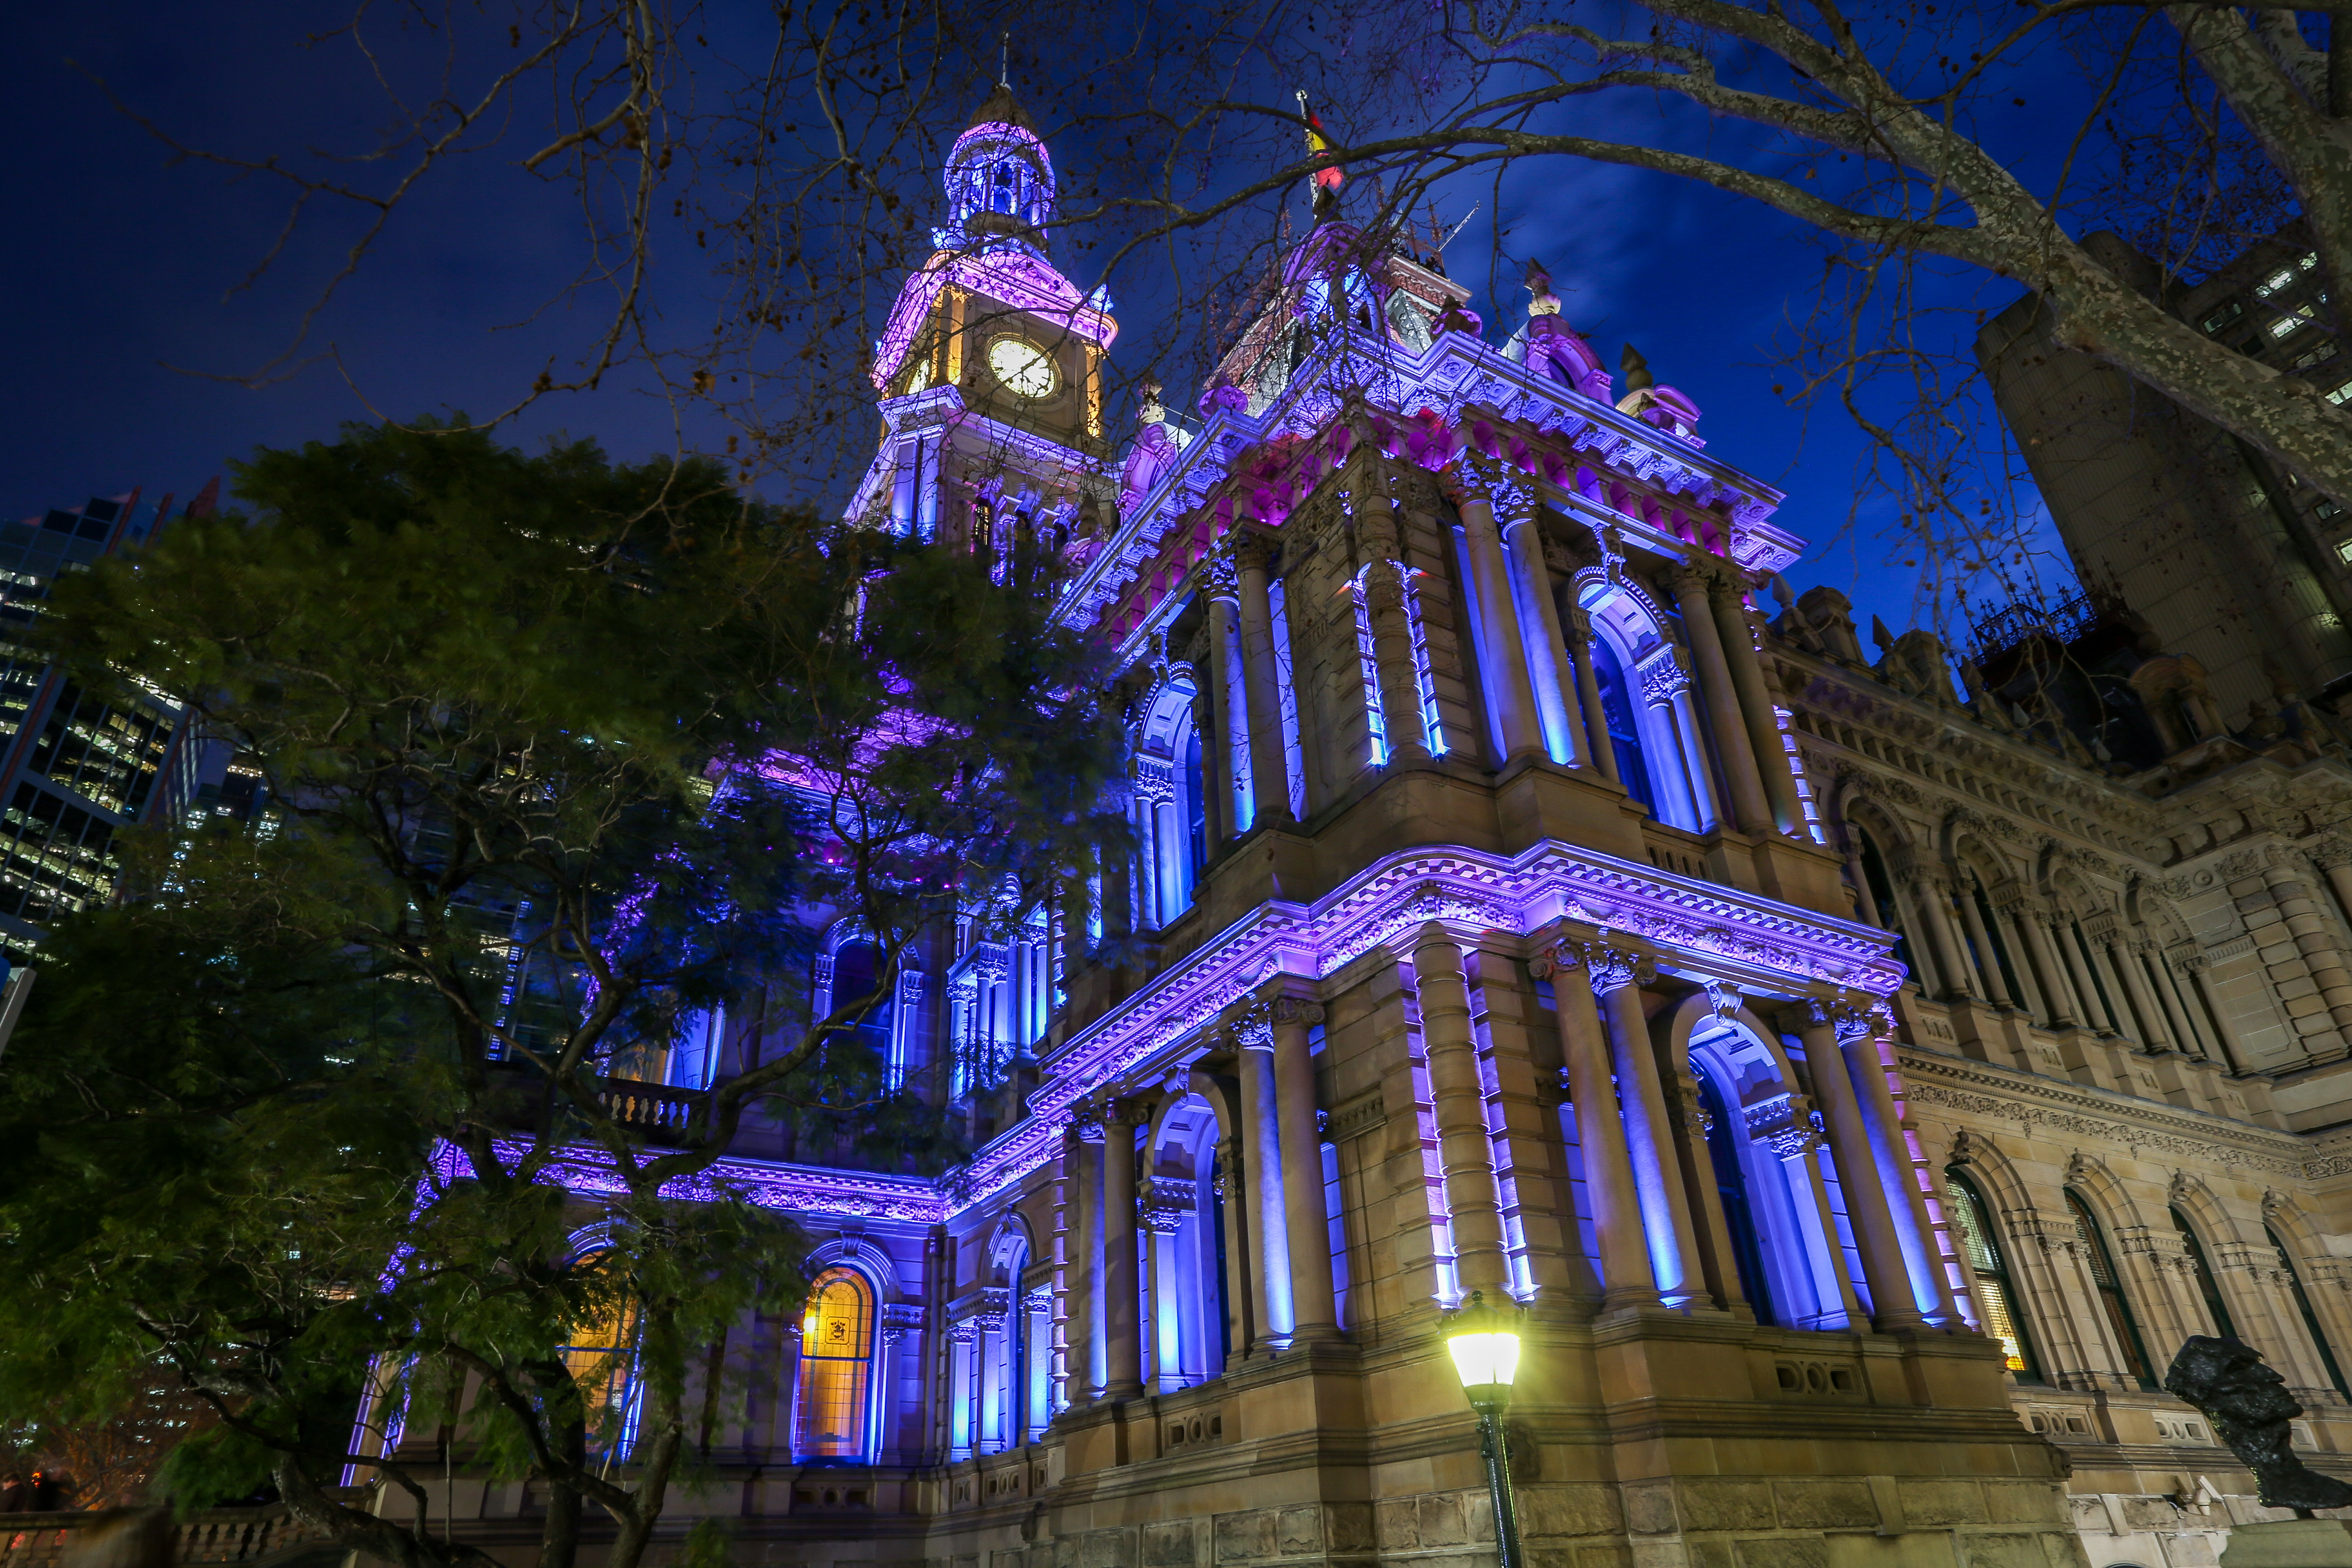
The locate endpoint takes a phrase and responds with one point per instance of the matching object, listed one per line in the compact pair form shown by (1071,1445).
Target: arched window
(1183,1216)
(1996,1297)
(1624,730)
(602,1359)
(1731,1187)
(2310,1318)
(2208,1287)
(836,1368)
(854,965)
(2109,1286)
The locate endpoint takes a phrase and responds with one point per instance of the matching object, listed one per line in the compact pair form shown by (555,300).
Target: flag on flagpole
(1318,147)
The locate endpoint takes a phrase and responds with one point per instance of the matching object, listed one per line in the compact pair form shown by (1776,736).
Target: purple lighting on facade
(1025,281)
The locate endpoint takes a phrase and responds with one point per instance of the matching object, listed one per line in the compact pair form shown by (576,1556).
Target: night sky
(121,265)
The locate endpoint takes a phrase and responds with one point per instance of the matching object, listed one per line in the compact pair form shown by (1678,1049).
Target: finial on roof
(1004,60)
(1636,370)
(1541,300)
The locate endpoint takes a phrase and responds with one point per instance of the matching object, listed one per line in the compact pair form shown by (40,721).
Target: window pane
(836,1362)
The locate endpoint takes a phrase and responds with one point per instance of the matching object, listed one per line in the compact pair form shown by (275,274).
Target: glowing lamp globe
(1485,1347)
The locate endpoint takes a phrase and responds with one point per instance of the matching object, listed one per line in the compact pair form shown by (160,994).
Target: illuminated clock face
(1023,367)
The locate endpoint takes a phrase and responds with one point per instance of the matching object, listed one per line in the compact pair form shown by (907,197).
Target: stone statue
(2252,1411)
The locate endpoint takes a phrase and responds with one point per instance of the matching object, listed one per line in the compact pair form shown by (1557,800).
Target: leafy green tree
(563,755)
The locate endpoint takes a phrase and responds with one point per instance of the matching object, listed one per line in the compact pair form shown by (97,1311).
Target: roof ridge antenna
(1454,232)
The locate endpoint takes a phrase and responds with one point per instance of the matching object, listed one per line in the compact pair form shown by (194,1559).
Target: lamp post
(1485,1347)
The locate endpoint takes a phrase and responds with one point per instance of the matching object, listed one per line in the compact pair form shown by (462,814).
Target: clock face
(1023,367)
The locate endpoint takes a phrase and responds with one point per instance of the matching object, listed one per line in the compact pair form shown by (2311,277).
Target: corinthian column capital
(1218,580)
(1606,966)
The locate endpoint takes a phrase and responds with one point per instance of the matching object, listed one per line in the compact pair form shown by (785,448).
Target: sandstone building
(1862,1089)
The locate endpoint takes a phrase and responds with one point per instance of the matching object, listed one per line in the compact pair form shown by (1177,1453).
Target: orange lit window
(600,1358)
(837,1366)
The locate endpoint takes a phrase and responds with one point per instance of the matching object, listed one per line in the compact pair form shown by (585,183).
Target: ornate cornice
(798,1189)
(1698,926)
(1958,1085)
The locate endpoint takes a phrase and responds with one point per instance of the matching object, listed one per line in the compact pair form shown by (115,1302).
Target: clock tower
(990,365)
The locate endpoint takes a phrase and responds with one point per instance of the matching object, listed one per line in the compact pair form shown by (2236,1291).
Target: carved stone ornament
(1217,578)
(1611,968)
(899,1319)
(1512,502)
(1164,1203)
(1252,1029)
(1086,1122)
(2253,1411)
(1723,998)
(1851,1022)
(1295,1010)
(1965,1146)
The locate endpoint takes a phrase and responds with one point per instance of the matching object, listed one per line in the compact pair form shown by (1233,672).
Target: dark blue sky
(121,265)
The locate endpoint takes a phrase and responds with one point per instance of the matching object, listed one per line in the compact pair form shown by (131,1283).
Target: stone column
(1392,662)
(1617,978)
(2120,999)
(1853,1153)
(1858,1037)
(1756,706)
(1951,959)
(1508,684)
(2124,953)
(1709,1223)
(2008,925)
(1122,1290)
(1061,1387)
(2086,989)
(1538,617)
(1858,880)
(2225,1034)
(1269,766)
(1314,1306)
(1458,1101)
(1243,1312)
(1988,957)
(1595,726)
(2178,1006)
(963,1378)
(2066,1012)
(1230,745)
(1088,1365)
(1750,810)
(1077,914)
(1626,1277)
(2153,970)
(1698,771)
(1261,1141)
(1532,1186)
(1662,684)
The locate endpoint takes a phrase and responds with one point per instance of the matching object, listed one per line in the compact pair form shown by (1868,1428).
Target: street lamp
(1485,1347)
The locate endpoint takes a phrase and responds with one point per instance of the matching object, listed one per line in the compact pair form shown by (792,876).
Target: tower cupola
(999,181)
